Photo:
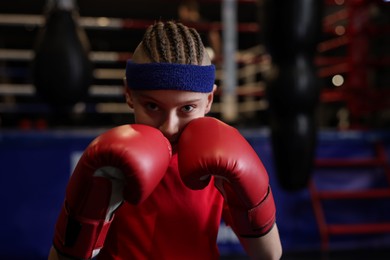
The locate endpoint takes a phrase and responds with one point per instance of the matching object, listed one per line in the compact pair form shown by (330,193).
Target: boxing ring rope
(334,23)
(248,59)
(328,66)
(109,23)
(106,23)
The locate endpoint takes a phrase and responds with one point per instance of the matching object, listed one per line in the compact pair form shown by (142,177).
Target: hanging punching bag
(62,71)
(291,32)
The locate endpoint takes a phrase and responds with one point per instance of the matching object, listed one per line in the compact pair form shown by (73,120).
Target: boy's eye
(187,108)
(152,106)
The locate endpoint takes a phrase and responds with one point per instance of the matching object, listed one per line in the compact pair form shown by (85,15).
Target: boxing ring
(345,205)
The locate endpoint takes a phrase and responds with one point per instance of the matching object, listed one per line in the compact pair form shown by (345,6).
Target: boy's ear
(214,88)
(210,99)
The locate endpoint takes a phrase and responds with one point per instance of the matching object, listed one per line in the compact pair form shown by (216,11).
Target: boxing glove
(208,147)
(124,163)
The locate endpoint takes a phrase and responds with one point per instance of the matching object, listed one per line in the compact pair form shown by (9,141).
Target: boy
(172,210)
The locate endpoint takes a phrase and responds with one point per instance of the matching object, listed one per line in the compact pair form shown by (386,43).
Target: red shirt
(173,223)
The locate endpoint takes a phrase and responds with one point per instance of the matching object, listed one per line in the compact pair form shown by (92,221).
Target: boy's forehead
(167,96)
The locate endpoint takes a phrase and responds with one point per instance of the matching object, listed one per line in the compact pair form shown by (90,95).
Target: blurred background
(306,82)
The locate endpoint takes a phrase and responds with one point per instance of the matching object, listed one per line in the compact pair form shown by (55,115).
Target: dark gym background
(343,212)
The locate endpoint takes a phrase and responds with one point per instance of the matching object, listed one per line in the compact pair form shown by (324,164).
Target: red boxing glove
(124,163)
(208,147)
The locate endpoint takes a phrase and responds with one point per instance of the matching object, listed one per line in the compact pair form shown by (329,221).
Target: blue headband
(170,76)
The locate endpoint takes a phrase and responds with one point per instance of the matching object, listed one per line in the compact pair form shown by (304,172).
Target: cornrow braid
(177,48)
(188,41)
(147,42)
(173,42)
(198,44)
(162,42)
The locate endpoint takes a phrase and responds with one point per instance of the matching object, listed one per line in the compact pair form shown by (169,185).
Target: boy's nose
(170,127)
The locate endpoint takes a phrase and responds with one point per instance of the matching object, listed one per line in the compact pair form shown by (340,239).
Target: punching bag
(291,33)
(62,71)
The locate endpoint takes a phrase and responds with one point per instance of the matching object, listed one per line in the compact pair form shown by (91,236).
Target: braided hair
(173,42)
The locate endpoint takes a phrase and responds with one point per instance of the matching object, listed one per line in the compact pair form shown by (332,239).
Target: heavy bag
(291,32)
(293,96)
(62,71)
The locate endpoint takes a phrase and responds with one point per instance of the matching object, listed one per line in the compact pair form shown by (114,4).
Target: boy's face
(168,110)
